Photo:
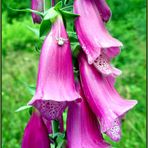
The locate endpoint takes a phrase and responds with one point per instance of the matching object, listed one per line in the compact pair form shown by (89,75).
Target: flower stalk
(55,127)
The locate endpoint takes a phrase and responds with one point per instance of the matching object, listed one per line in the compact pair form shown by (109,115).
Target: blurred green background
(20,61)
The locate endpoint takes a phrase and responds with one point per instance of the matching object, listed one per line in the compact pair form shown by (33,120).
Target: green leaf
(31,89)
(34,30)
(28,10)
(58,6)
(68,14)
(45,27)
(23,108)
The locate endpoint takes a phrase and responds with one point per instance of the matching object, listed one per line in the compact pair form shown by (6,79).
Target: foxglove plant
(82,80)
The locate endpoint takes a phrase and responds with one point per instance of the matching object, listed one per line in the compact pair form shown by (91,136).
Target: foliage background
(20,61)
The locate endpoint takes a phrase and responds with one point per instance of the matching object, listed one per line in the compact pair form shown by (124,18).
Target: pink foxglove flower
(104,10)
(55,83)
(95,40)
(83,129)
(37,5)
(36,133)
(103,98)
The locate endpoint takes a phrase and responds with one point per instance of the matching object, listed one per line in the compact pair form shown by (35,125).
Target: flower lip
(102,64)
(114,132)
(50,109)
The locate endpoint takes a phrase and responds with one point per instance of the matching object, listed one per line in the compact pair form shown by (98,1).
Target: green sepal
(49,18)
(51,15)
(58,139)
(75,48)
(44,27)
(23,108)
(58,6)
(72,36)
(55,135)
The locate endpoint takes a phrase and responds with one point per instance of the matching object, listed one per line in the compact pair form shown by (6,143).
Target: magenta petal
(103,98)
(36,134)
(112,52)
(37,5)
(91,30)
(48,125)
(83,129)
(50,109)
(55,84)
(102,64)
(104,9)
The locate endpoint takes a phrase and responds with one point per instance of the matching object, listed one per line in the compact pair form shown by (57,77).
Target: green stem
(55,127)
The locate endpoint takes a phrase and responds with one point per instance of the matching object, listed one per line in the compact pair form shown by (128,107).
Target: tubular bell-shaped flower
(95,40)
(104,10)
(36,133)
(103,98)
(83,129)
(55,83)
(37,5)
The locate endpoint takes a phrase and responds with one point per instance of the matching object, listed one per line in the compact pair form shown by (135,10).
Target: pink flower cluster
(94,105)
